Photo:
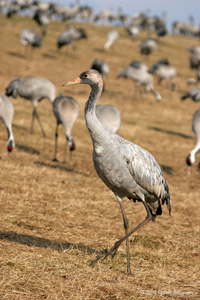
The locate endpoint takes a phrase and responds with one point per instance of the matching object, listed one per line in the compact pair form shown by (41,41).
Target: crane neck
(10,135)
(95,94)
(194,152)
(92,122)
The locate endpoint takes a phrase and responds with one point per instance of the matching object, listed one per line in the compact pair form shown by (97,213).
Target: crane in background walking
(33,89)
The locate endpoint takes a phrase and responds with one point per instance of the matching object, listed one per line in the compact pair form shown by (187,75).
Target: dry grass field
(56,217)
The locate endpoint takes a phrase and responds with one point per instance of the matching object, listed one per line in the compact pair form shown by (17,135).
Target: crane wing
(146,171)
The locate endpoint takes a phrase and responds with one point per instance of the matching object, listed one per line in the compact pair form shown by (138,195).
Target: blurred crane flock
(57,216)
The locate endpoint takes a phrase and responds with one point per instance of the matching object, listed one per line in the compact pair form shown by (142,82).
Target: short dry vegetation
(56,217)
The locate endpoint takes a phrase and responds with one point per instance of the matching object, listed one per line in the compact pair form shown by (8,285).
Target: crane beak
(76,81)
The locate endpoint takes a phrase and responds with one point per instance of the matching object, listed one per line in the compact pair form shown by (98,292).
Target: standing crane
(141,77)
(148,46)
(164,71)
(196,129)
(33,89)
(30,37)
(127,169)
(111,38)
(6,115)
(66,111)
(70,36)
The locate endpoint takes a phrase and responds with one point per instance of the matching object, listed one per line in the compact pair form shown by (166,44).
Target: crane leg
(56,142)
(65,153)
(32,123)
(37,116)
(71,156)
(126,225)
(173,85)
(115,247)
(160,80)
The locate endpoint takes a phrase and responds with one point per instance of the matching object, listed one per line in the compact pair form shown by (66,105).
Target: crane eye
(85,75)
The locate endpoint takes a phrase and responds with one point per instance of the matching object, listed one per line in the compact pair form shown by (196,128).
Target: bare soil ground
(56,217)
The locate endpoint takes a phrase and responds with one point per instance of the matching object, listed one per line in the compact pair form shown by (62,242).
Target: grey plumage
(185,28)
(194,94)
(109,116)
(142,78)
(33,89)
(30,37)
(161,30)
(71,35)
(68,12)
(6,115)
(104,15)
(196,129)
(42,19)
(86,13)
(194,49)
(127,169)
(164,71)
(162,61)
(101,66)
(147,46)
(195,57)
(13,9)
(66,111)
(132,30)
(138,65)
(195,61)
(111,38)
